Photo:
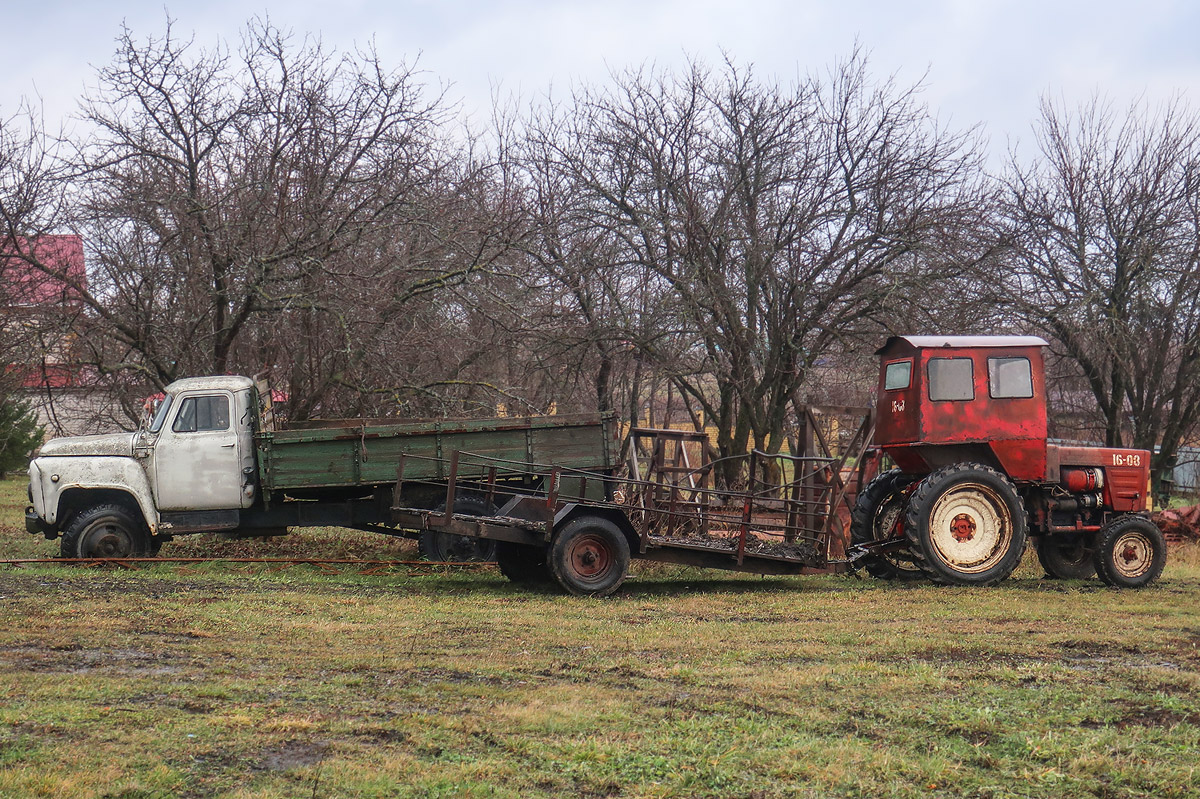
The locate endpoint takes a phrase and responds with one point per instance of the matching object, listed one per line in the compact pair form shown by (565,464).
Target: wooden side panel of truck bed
(367,454)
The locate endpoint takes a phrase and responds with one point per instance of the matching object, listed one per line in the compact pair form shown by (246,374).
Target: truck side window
(1010,377)
(951,379)
(202,413)
(897,375)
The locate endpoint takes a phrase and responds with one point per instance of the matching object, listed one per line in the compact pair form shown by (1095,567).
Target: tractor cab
(949,399)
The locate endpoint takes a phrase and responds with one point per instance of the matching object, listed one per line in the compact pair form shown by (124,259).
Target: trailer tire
(876,510)
(106,531)
(524,565)
(1067,557)
(966,525)
(589,556)
(1130,552)
(449,548)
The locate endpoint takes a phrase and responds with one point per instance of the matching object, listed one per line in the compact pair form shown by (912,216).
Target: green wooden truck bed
(365,453)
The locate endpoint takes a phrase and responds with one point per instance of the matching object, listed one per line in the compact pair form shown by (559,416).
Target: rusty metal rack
(762,512)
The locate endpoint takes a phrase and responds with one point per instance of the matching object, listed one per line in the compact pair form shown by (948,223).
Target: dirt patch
(1155,717)
(73,658)
(292,755)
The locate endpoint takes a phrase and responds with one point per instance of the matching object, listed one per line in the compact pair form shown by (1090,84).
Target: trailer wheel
(1066,557)
(106,531)
(1130,552)
(879,506)
(523,564)
(589,556)
(450,548)
(966,525)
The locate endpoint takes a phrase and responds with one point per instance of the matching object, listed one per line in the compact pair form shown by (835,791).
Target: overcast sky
(988,61)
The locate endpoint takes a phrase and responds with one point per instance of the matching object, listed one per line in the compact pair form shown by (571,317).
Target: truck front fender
(52,478)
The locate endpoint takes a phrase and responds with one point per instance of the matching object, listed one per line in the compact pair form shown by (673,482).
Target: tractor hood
(119,444)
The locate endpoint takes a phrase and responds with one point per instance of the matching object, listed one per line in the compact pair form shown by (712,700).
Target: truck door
(198,458)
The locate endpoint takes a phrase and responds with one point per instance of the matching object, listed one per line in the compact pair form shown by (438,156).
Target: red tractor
(964,420)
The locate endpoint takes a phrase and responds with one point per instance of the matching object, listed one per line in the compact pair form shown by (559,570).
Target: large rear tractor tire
(1130,552)
(589,556)
(106,531)
(1067,557)
(966,525)
(877,511)
(449,548)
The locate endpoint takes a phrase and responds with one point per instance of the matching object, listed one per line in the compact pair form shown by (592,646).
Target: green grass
(236,681)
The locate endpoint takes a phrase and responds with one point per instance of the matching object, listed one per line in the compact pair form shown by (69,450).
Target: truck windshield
(160,414)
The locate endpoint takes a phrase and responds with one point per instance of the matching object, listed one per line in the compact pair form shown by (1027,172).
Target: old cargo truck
(963,419)
(203,463)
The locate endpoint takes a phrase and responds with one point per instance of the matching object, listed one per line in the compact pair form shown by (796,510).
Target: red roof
(28,285)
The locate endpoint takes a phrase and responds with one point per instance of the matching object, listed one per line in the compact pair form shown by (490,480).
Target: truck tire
(876,510)
(966,525)
(1130,552)
(1067,557)
(589,556)
(522,564)
(106,531)
(450,548)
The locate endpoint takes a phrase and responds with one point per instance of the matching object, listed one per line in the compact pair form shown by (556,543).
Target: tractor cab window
(1010,377)
(202,413)
(951,379)
(897,375)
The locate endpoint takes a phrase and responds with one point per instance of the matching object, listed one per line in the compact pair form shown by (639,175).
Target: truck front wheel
(589,556)
(106,531)
(1130,552)
(966,525)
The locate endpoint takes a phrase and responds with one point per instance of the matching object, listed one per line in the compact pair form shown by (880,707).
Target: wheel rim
(1133,555)
(106,538)
(887,517)
(590,558)
(970,528)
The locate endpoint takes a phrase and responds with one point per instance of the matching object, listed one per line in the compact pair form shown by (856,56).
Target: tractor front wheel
(966,525)
(1130,552)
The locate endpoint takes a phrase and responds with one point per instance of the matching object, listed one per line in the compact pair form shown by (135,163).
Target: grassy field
(228,681)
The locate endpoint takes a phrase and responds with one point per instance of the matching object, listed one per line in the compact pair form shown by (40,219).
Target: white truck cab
(190,466)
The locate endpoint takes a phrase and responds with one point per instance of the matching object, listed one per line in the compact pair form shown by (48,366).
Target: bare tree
(242,209)
(775,223)
(1106,225)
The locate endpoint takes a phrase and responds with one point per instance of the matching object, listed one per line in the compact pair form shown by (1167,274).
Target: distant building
(38,308)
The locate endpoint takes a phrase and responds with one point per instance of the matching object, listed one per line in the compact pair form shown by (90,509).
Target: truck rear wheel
(450,548)
(106,531)
(1066,557)
(523,564)
(589,556)
(1130,552)
(877,509)
(966,525)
